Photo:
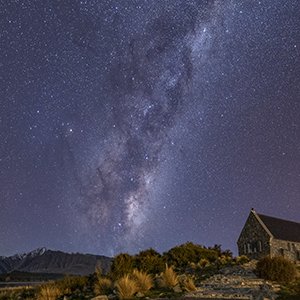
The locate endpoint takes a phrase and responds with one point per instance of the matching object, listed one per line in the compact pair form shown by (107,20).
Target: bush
(69,284)
(122,264)
(189,285)
(242,259)
(204,263)
(168,278)
(143,281)
(149,261)
(222,260)
(98,270)
(102,286)
(278,269)
(126,287)
(188,253)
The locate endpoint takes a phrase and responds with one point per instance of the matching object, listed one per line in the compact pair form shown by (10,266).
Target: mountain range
(43,260)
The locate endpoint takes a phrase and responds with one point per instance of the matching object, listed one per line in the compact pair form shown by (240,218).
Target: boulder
(100,297)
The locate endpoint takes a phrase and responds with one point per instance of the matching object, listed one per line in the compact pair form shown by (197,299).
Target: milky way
(134,124)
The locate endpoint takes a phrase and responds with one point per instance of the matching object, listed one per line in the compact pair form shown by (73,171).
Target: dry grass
(102,285)
(143,281)
(126,287)
(189,285)
(48,291)
(168,278)
(4,290)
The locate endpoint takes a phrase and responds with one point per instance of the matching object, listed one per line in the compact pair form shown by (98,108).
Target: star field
(126,125)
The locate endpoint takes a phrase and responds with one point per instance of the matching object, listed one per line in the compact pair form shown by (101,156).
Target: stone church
(263,235)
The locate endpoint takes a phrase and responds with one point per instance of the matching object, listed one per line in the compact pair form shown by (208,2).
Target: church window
(259,246)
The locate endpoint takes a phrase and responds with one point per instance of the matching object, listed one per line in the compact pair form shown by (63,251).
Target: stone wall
(254,241)
(290,250)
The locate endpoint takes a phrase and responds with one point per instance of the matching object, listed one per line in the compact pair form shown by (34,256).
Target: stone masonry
(252,234)
(237,282)
(264,235)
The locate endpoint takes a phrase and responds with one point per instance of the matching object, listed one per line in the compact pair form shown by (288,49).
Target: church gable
(263,235)
(254,240)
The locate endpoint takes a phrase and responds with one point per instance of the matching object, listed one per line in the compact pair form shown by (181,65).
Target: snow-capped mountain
(32,254)
(48,261)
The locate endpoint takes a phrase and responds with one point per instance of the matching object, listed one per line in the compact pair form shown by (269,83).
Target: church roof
(282,229)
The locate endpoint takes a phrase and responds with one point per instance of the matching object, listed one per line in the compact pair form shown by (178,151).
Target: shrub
(204,263)
(69,284)
(187,253)
(242,259)
(168,278)
(278,269)
(222,260)
(48,291)
(149,261)
(102,286)
(126,287)
(220,252)
(98,270)
(143,281)
(189,285)
(122,264)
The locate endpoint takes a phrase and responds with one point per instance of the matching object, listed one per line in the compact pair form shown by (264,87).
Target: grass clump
(70,284)
(278,269)
(168,278)
(48,291)
(143,281)
(189,285)
(126,287)
(102,286)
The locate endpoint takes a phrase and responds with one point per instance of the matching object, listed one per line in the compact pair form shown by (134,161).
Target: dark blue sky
(126,125)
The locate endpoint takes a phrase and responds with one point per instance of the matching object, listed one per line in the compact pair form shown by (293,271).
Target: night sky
(126,125)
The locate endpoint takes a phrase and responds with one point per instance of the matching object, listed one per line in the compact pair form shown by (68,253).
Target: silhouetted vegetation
(149,261)
(188,253)
(29,277)
(122,265)
(148,272)
(278,269)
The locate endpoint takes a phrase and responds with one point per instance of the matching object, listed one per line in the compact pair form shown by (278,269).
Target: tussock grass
(102,286)
(126,287)
(48,291)
(168,278)
(189,285)
(143,281)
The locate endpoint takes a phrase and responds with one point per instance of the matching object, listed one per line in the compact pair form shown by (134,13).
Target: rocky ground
(239,282)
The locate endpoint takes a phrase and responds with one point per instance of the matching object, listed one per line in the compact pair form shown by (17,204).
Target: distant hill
(43,260)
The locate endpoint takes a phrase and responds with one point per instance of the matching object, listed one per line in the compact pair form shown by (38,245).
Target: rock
(238,283)
(100,297)
(177,289)
(182,278)
(112,296)
(139,295)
